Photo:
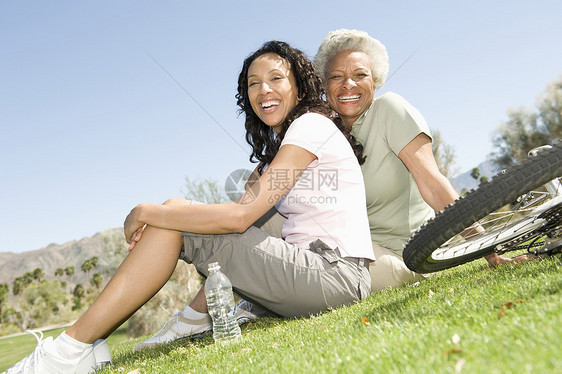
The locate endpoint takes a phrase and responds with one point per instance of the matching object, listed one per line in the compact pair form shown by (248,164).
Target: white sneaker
(102,354)
(177,327)
(246,312)
(45,359)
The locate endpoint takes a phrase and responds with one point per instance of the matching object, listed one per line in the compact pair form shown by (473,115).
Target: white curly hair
(352,40)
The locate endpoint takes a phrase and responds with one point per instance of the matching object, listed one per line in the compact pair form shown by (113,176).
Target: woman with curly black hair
(265,141)
(308,171)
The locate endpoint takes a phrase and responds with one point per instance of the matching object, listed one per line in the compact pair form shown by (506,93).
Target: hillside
(110,248)
(54,256)
(465,180)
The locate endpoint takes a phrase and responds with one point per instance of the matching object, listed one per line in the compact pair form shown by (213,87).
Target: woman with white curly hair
(403,183)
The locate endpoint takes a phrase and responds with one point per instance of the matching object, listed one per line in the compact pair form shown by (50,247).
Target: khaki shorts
(390,271)
(284,278)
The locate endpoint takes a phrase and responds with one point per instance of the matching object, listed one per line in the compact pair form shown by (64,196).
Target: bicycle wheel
(485,217)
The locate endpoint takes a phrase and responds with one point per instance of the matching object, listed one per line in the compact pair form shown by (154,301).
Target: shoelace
(171,321)
(245,304)
(33,357)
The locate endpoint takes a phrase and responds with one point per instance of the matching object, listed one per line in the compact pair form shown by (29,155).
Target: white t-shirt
(328,200)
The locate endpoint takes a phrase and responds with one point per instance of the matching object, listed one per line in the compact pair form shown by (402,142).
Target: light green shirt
(394,204)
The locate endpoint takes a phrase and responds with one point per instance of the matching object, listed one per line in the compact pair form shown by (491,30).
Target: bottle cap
(214,266)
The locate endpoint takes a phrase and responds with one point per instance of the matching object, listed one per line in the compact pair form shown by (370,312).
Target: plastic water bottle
(220,302)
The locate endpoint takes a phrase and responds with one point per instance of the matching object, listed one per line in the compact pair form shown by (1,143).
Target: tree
(525,129)
(97,280)
(28,278)
(69,270)
(206,191)
(87,266)
(59,272)
(20,283)
(38,274)
(76,303)
(18,286)
(475,173)
(79,293)
(4,292)
(444,154)
(95,261)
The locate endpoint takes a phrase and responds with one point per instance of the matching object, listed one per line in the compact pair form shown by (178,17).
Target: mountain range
(73,253)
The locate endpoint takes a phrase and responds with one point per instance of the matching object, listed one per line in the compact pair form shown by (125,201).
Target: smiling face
(351,88)
(272,89)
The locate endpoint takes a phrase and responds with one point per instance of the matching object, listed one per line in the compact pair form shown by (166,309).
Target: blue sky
(91,124)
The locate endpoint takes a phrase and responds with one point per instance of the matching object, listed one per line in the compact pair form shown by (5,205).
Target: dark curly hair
(263,139)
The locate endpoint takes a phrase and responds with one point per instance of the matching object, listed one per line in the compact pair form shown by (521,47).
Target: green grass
(468,319)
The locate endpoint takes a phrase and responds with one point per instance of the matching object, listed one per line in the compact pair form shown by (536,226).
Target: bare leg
(141,275)
(199,302)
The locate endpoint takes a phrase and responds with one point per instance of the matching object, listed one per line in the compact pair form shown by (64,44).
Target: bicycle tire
(502,189)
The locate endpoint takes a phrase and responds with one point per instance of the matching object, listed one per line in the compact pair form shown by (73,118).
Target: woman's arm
(278,179)
(434,187)
(254,177)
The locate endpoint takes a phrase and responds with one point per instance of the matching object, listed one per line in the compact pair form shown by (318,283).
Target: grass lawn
(468,319)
